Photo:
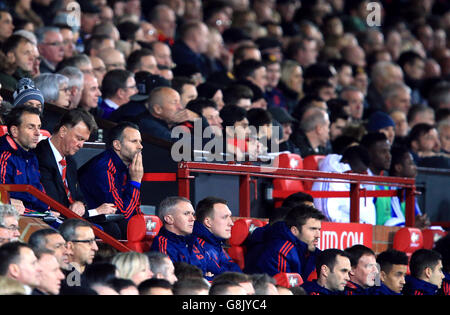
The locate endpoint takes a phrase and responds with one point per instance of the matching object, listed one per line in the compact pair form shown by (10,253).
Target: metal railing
(5,189)
(246,172)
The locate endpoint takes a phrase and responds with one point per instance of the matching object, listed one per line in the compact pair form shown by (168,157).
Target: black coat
(51,178)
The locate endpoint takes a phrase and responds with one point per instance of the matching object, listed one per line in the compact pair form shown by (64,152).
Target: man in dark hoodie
(291,244)
(212,228)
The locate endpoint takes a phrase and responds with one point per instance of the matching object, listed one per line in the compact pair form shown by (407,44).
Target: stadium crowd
(366,86)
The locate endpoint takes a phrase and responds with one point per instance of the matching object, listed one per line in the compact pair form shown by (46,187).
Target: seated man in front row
(114,176)
(178,216)
(212,228)
(18,163)
(291,244)
(59,169)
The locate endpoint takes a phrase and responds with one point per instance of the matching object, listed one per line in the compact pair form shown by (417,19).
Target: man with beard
(291,244)
(114,176)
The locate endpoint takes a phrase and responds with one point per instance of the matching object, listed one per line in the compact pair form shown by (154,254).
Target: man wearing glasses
(51,48)
(81,244)
(9,224)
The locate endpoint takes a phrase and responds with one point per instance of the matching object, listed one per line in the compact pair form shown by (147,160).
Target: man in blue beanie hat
(382,122)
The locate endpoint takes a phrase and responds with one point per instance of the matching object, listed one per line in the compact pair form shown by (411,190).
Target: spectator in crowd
(208,109)
(27,94)
(7,26)
(163,54)
(283,117)
(393,267)
(243,280)
(114,176)
(364,272)
(186,88)
(162,267)
(133,266)
(166,111)
(51,48)
(235,124)
(191,287)
(226,287)
(185,271)
(304,51)
(19,162)
(90,96)
(177,215)
(98,68)
(155,286)
(51,275)
(333,269)
(80,242)
(192,46)
(401,125)
(397,96)
(382,122)
(18,262)
(312,133)
(413,66)
(212,228)
(112,58)
(80,61)
(253,71)
(354,159)
(163,19)
(56,92)
(98,277)
(291,83)
(117,88)
(292,244)
(383,74)
(264,285)
(379,149)
(426,273)
(19,52)
(76,82)
(142,60)
(355,99)
(52,240)
(239,95)
(420,114)
(125,286)
(444,135)
(9,224)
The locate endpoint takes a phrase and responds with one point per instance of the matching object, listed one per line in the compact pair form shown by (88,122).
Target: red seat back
(141,231)
(408,240)
(3,130)
(242,228)
(287,187)
(237,253)
(431,236)
(288,280)
(311,162)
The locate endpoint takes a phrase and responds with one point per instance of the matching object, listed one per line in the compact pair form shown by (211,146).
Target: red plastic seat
(241,229)
(282,188)
(408,240)
(288,280)
(311,162)
(141,231)
(431,236)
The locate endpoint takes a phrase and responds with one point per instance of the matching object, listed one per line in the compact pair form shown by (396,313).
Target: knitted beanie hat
(26,91)
(379,120)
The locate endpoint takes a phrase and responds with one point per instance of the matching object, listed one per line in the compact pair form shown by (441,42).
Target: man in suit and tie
(58,168)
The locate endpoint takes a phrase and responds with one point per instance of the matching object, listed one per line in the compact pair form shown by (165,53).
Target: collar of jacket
(117,161)
(11,145)
(427,287)
(201,231)
(180,239)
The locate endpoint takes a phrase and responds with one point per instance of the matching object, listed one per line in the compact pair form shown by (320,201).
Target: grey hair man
(9,224)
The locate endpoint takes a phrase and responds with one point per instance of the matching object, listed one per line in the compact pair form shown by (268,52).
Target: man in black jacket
(58,168)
